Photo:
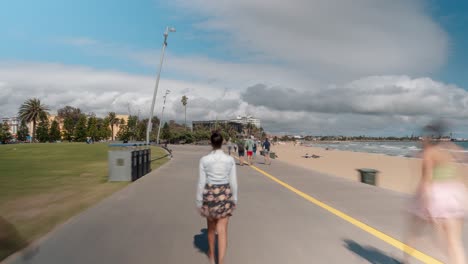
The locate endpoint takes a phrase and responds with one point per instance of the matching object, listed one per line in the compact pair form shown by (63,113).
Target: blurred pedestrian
(229,146)
(441,195)
(266,151)
(241,152)
(249,143)
(254,150)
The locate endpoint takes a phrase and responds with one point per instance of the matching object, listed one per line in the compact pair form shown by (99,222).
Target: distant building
(244,120)
(51,119)
(13,123)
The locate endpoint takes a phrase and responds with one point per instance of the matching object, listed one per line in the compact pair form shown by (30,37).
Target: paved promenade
(154,221)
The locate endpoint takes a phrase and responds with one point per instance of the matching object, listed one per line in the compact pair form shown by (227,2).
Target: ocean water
(401,149)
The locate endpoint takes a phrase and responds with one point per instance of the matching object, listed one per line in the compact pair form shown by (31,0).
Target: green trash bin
(368,176)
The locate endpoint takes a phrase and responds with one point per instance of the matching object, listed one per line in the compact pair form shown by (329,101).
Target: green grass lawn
(42,185)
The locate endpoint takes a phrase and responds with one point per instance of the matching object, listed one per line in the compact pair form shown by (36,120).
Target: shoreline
(396,173)
(355,151)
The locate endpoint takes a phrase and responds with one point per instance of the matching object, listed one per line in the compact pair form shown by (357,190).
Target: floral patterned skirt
(217,201)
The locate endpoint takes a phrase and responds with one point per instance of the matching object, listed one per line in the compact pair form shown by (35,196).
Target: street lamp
(162,116)
(148,129)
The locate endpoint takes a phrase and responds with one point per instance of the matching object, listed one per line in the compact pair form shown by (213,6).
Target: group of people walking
(250,146)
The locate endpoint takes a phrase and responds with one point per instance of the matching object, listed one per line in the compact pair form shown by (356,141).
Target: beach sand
(395,173)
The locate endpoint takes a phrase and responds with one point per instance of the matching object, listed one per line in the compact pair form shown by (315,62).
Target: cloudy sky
(375,67)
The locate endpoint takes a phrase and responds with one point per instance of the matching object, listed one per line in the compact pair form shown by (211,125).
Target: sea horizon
(407,149)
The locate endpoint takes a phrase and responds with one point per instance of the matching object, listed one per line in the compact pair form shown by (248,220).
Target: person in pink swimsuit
(441,196)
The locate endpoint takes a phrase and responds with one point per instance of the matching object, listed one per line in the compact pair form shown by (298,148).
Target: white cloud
(89,89)
(374,105)
(377,95)
(331,37)
(231,75)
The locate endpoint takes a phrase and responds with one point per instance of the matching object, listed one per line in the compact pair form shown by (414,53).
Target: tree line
(71,124)
(76,125)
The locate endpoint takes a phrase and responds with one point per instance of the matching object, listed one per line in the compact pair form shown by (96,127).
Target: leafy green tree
(81,130)
(68,128)
(42,133)
(201,134)
(132,126)
(166,132)
(104,128)
(23,131)
(141,129)
(69,112)
(123,133)
(5,134)
(30,111)
(93,131)
(154,128)
(70,117)
(187,137)
(54,133)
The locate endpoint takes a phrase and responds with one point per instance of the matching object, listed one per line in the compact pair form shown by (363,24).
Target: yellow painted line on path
(390,240)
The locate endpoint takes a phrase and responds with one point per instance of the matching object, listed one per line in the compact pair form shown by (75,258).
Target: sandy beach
(395,173)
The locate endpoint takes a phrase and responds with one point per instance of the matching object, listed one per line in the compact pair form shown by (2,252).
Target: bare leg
(211,239)
(221,227)
(453,228)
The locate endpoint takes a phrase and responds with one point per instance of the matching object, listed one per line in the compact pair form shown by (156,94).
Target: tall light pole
(148,128)
(162,115)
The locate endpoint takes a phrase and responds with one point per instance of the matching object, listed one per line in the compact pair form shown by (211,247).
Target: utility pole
(148,128)
(162,115)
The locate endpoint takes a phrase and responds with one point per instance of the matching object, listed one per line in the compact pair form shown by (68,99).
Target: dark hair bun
(216,140)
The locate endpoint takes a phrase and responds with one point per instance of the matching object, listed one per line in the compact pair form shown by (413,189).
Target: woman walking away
(217,195)
(441,196)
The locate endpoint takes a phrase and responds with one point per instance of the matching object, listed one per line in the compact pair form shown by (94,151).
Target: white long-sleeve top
(217,168)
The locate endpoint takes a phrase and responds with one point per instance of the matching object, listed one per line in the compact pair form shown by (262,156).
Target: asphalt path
(154,220)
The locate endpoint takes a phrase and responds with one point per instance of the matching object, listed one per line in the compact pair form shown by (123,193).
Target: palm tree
(184,103)
(113,120)
(31,111)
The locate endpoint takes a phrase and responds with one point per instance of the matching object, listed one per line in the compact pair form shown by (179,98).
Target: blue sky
(406,58)
(39,31)
(44,31)
(453,17)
